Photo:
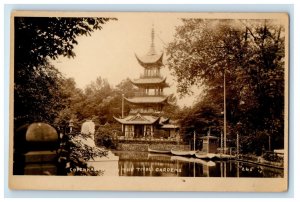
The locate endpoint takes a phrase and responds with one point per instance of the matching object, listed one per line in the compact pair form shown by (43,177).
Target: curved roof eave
(123,121)
(147,63)
(144,102)
(163,80)
(117,119)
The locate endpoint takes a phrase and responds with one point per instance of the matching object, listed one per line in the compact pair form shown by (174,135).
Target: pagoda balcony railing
(145,111)
(143,76)
(150,139)
(143,94)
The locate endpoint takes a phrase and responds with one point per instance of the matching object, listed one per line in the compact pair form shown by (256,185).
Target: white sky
(109,52)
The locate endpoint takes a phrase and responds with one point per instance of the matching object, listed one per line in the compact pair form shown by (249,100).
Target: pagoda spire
(151,59)
(152,46)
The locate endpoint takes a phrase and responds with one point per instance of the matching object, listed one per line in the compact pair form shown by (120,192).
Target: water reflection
(148,164)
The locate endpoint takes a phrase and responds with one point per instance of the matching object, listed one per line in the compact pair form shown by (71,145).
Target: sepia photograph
(149,101)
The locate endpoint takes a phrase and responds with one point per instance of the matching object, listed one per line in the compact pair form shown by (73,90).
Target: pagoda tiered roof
(150,81)
(147,99)
(138,119)
(150,60)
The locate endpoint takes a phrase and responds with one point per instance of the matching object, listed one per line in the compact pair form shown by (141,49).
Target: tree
(72,99)
(205,116)
(250,54)
(97,97)
(41,93)
(106,136)
(38,99)
(36,83)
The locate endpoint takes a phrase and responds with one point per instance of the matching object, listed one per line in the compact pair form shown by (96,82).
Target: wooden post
(151,131)
(225,139)
(208,142)
(194,141)
(269,142)
(222,148)
(122,106)
(237,145)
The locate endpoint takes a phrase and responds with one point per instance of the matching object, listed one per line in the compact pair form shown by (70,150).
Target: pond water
(148,164)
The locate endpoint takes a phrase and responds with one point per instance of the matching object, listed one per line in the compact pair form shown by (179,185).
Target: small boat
(193,160)
(155,155)
(202,155)
(206,163)
(159,151)
(183,152)
(224,156)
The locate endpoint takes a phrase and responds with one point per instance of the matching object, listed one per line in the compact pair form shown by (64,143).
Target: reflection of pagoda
(144,120)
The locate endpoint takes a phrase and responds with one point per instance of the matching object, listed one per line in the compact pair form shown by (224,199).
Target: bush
(74,154)
(270,156)
(104,137)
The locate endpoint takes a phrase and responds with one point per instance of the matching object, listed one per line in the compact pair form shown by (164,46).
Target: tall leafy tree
(36,83)
(251,56)
(41,93)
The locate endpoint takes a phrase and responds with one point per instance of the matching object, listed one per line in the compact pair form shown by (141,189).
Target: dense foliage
(251,55)
(41,93)
(99,100)
(74,154)
(37,85)
(106,136)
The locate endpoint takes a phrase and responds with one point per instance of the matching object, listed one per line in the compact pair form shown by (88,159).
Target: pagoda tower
(144,119)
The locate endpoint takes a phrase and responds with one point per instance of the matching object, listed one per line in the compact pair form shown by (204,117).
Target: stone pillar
(126,131)
(38,153)
(151,131)
(132,129)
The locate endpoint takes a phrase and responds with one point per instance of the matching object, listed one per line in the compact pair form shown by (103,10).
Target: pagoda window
(129,131)
(151,73)
(151,131)
(151,91)
(147,130)
(156,71)
(147,73)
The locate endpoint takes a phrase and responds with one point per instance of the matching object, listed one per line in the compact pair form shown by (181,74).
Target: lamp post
(238,140)
(222,148)
(225,139)
(123,112)
(194,140)
(270,138)
(122,106)
(269,142)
